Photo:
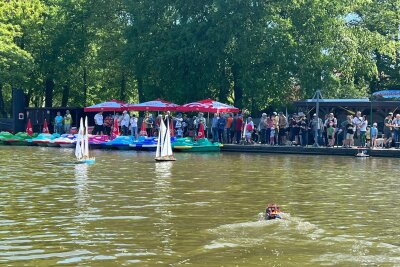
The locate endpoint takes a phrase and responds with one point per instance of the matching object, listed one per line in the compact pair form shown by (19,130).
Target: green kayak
(5,136)
(19,139)
(202,145)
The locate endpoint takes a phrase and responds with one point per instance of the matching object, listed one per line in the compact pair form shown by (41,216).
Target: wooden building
(375,111)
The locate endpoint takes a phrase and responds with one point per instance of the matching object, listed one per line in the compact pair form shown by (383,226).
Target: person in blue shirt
(374,134)
(221,128)
(58,123)
(214,127)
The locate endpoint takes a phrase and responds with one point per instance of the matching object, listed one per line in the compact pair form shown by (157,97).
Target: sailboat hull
(160,159)
(86,161)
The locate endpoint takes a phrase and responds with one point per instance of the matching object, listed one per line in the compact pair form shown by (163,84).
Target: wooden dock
(310,150)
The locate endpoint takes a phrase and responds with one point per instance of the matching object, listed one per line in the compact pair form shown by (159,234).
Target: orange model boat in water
(272,211)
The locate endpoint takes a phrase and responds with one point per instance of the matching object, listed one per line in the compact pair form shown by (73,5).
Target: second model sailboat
(164,148)
(82,144)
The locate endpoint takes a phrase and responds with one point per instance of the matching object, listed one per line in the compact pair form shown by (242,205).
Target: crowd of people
(273,129)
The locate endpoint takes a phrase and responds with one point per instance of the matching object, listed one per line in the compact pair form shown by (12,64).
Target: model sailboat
(164,148)
(82,144)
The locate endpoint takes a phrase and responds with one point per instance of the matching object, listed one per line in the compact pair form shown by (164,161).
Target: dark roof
(349,100)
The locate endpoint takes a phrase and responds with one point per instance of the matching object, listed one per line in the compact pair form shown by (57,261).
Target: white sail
(168,140)
(164,148)
(79,142)
(163,131)
(86,141)
(159,141)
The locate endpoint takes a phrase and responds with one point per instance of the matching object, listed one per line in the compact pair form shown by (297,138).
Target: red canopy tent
(111,105)
(207,105)
(155,105)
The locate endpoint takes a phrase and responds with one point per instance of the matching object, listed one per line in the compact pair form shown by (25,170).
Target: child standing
(249,130)
(374,134)
(330,133)
(272,136)
(368,136)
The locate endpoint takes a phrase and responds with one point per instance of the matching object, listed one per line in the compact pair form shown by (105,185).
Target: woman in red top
(238,128)
(228,125)
(108,122)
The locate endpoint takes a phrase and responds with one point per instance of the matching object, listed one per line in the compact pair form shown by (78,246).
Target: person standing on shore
(108,123)
(58,122)
(125,119)
(363,130)
(214,127)
(282,123)
(374,134)
(67,122)
(387,130)
(98,123)
(228,125)
(238,128)
(134,126)
(221,128)
(148,120)
(396,130)
(263,128)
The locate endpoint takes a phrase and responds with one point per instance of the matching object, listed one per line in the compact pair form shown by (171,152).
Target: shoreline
(310,150)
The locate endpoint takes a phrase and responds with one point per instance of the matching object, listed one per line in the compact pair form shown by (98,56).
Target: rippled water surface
(202,210)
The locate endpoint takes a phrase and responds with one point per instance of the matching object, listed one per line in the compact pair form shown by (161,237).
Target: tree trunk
(237,87)
(28,98)
(49,89)
(140,88)
(122,92)
(3,112)
(84,86)
(65,95)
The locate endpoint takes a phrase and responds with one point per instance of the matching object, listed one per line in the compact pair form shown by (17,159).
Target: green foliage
(254,54)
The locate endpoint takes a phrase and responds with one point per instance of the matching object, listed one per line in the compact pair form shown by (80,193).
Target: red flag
(143,129)
(115,131)
(171,128)
(200,134)
(29,130)
(45,127)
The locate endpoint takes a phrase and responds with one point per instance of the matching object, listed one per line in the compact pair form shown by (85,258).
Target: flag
(200,134)
(29,130)
(115,131)
(143,129)
(45,127)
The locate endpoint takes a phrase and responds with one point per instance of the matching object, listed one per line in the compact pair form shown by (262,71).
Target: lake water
(202,210)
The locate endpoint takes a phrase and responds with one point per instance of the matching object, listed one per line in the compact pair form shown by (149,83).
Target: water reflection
(163,203)
(82,198)
(128,210)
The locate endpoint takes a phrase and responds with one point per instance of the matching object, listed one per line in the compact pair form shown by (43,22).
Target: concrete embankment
(379,152)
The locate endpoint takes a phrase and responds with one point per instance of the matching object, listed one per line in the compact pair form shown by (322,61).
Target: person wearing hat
(178,120)
(316,126)
(387,130)
(124,120)
(282,122)
(262,126)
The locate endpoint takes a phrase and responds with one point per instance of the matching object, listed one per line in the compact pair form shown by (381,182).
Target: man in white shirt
(363,130)
(357,120)
(134,125)
(125,118)
(396,130)
(98,123)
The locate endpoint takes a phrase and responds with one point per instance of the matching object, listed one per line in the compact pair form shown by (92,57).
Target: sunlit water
(202,210)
